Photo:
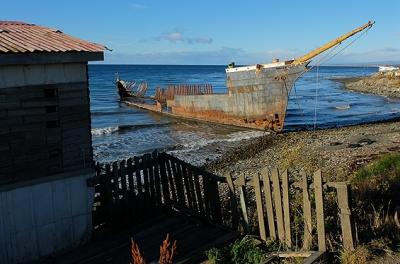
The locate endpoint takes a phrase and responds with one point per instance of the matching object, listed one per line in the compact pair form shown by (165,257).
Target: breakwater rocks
(380,83)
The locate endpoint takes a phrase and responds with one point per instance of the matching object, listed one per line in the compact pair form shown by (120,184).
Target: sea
(316,102)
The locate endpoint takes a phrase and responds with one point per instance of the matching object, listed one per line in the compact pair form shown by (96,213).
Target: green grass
(385,168)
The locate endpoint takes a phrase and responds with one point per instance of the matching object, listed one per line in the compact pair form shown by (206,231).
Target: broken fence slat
(259,204)
(198,193)
(131,192)
(171,179)
(157,178)
(286,208)
(164,181)
(124,192)
(243,204)
(179,184)
(319,206)
(233,202)
(345,217)
(306,214)
(187,191)
(192,190)
(268,202)
(278,204)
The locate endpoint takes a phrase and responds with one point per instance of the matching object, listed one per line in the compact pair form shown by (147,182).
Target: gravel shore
(337,152)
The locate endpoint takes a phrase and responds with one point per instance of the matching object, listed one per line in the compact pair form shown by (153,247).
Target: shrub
(358,256)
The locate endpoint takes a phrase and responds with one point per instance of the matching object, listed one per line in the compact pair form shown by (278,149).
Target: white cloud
(200,40)
(177,36)
(220,56)
(138,6)
(171,36)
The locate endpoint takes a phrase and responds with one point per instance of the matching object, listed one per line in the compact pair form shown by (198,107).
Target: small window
(50,92)
(51,109)
(52,124)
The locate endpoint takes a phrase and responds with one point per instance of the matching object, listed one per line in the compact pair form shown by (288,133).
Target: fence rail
(133,190)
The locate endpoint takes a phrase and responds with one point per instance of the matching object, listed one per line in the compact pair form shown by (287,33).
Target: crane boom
(331,44)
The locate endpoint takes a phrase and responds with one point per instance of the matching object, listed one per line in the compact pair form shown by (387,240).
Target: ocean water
(315,101)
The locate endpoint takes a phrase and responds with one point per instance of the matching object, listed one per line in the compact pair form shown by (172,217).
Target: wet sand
(337,152)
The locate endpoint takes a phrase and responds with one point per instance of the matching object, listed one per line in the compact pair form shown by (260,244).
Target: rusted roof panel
(21,37)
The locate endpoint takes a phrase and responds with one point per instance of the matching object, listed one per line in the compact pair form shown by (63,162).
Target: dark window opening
(50,92)
(52,124)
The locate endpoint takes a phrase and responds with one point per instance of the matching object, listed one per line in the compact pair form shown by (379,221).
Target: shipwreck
(257,95)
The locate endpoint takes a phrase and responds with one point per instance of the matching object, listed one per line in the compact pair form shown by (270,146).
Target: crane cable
(319,62)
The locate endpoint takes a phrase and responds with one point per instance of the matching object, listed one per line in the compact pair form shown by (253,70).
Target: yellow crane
(331,44)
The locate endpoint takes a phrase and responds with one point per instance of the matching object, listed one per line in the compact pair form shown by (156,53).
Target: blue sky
(219,31)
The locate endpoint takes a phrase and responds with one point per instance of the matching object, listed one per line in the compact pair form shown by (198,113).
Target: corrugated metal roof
(21,37)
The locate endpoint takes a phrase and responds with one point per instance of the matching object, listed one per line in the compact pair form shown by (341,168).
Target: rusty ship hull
(257,98)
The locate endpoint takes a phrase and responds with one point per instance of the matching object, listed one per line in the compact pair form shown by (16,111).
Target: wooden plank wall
(45,122)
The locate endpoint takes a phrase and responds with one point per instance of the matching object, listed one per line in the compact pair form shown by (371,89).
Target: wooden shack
(45,141)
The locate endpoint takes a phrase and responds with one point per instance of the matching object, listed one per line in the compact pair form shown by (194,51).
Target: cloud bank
(225,55)
(177,36)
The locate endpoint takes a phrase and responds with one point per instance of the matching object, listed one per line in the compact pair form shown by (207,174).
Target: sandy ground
(337,152)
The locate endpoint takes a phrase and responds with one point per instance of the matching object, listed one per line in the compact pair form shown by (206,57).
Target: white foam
(194,141)
(103,131)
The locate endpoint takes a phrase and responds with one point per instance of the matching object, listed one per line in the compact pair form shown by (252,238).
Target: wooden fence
(131,191)
(274,195)
(134,190)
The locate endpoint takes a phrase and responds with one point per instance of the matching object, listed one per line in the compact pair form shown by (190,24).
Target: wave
(191,144)
(123,128)
(103,131)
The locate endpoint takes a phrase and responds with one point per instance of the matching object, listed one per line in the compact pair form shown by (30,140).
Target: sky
(219,31)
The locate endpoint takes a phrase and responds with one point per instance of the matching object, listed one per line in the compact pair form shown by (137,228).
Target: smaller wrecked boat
(126,89)
(257,95)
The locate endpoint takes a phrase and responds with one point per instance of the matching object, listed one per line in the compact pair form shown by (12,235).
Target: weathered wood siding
(44,120)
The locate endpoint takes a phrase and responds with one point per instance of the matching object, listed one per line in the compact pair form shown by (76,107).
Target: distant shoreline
(218,65)
(378,84)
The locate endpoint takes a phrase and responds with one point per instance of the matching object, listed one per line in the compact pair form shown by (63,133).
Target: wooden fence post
(268,202)
(131,194)
(164,181)
(319,204)
(306,214)
(198,192)
(278,204)
(259,203)
(124,191)
(179,183)
(170,178)
(189,175)
(345,217)
(286,208)
(241,182)
(157,180)
(232,196)
(187,191)
(115,186)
